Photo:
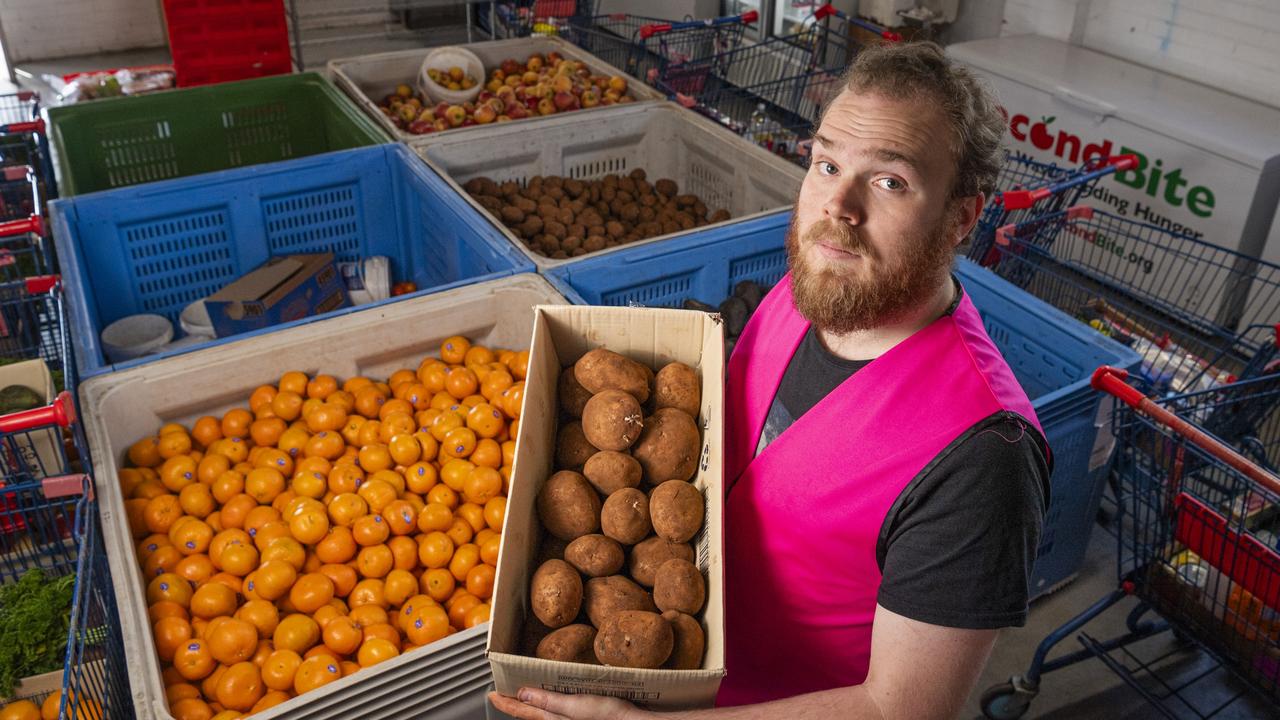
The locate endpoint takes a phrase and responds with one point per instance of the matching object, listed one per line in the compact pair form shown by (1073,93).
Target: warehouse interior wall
(44,29)
(1233,45)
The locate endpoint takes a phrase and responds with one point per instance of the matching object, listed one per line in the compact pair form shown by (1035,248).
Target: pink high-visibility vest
(802,518)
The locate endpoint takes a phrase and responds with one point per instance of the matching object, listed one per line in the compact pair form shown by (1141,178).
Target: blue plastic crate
(155,248)
(1051,353)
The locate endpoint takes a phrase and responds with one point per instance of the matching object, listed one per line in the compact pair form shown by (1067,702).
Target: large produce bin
(444,680)
(663,139)
(157,248)
(130,140)
(369,78)
(1051,353)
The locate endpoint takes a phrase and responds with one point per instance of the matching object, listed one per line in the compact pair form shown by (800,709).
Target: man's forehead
(910,127)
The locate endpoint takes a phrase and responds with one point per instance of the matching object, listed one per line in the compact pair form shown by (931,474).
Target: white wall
(1229,44)
(42,29)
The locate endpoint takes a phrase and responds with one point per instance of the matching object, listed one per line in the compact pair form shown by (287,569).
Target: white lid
(1241,130)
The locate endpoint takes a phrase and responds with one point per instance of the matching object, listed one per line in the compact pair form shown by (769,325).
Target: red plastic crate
(223,40)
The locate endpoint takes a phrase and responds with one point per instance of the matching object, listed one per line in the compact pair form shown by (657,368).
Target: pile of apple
(541,85)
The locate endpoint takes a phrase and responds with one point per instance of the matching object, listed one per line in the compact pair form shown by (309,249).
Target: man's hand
(534,704)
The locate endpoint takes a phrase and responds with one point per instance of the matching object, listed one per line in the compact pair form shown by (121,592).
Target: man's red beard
(875,294)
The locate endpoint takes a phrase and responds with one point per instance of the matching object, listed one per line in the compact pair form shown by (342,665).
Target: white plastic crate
(665,140)
(444,680)
(368,78)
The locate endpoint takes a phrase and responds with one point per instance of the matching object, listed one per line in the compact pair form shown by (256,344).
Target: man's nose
(845,204)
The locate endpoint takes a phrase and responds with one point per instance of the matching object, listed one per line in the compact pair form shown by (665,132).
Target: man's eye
(826,168)
(891,184)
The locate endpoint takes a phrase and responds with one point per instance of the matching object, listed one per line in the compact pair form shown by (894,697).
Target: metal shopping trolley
(1199,314)
(1027,188)
(49,524)
(666,43)
(1198,549)
(24,139)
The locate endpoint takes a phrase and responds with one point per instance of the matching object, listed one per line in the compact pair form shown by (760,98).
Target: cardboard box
(285,288)
(42,448)
(655,337)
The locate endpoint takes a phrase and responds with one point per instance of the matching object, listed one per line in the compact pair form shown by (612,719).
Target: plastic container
(369,78)
(1051,353)
(194,320)
(443,59)
(157,248)
(444,680)
(222,40)
(125,141)
(133,336)
(667,141)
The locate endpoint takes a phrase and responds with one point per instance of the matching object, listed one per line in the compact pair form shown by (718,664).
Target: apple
(494,85)
(562,83)
(442,124)
(531,102)
(554,57)
(590,98)
(421,127)
(529,78)
(506,94)
(455,114)
(535,62)
(510,67)
(606,101)
(546,107)
(517,111)
(485,114)
(612,94)
(618,83)
(469,106)
(456,74)
(503,118)
(564,101)
(427,115)
(408,113)
(498,74)
(404,91)
(514,81)
(414,102)
(577,91)
(468,122)
(497,104)
(440,108)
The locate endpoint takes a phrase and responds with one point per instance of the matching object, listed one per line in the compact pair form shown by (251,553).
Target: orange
(476,615)
(443,495)
(338,546)
(309,527)
(213,599)
(172,444)
(268,700)
(239,559)
(346,508)
(416,394)
(287,405)
(438,583)
(325,444)
(480,580)
(374,651)
(236,422)
(342,399)
(170,633)
(322,386)
(193,660)
(464,558)
(398,586)
(375,457)
(384,630)
(232,641)
(478,355)
(485,420)
(294,381)
(277,459)
(191,709)
(171,587)
(488,453)
(404,552)
(228,579)
(267,431)
(435,517)
(394,413)
(520,364)
(164,609)
(494,512)
(399,517)
(344,578)
(483,536)
(454,349)
(404,449)
(367,615)
(370,530)
(489,550)
(410,605)
(444,423)
(461,382)
(235,510)
(460,532)
(427,624)
(262,653)
(228,715)
(351,430)
(279,669)
(420,477)
(258,517)
(177,472)
(345,479)
(473,514)
(392,479)
(342,635)
(294,441)
(435,550)
(192,536)
(262,615)
(370,434)
(262,395)
(240,687)
(263,484)
(483,485)
(197,499)
(173,692)
(369,591)
(315,672)
(374,561)
(455,472)
(310,483)
(296,632)
(369,401)
(196,568)
(458,608)
(206,431)
(163,560)
(458,443)
(269,533)
(211,466)
(494,384)
(311,592)
(400,376)
(145,453)
(148,489)
(273,579)
(327,614)
(209,686)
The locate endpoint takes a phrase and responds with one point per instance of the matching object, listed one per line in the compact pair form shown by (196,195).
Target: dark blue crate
(157,247)
(1051,353)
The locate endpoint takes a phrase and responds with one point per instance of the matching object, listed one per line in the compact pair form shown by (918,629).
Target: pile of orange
(326,528)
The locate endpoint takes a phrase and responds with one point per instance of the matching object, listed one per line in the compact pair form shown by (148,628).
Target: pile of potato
(562,217)
(620,511)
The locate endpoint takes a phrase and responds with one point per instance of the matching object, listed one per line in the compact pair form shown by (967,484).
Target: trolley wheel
(1006,702)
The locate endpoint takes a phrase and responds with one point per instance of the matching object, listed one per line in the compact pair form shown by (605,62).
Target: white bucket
(136,335)
(195,320)
(443,59)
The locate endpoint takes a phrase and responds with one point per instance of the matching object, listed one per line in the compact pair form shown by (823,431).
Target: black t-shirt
(957,546)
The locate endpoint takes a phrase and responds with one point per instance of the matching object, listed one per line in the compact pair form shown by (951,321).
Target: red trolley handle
(1023,199)
(827,11)
(651,29)
(13,228)
(31,126)
(18,172)
(61,412)
(41,284)
(1112,381)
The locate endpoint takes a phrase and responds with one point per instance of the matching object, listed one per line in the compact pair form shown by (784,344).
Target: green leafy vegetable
(34,618)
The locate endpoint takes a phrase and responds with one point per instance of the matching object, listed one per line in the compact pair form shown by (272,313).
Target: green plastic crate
(113,143)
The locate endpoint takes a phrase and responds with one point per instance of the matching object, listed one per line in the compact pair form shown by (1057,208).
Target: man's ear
(966,211)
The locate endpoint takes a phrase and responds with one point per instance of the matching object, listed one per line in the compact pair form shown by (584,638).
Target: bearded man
(887,477)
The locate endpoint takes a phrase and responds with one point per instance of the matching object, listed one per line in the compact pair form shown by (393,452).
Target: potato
(595,555)
(571,643)
(572,447)
(679,585)
(532,633)
(568,506)
(634,639)
(668,447)
(675,508)
(573,397)
(604,596)
(690,641)
(677,386)
(610,471)
(625,516)
(649,555)
(603,369)
(556,593)
(611,420)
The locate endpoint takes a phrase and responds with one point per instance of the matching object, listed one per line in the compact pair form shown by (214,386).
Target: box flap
(259,283)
